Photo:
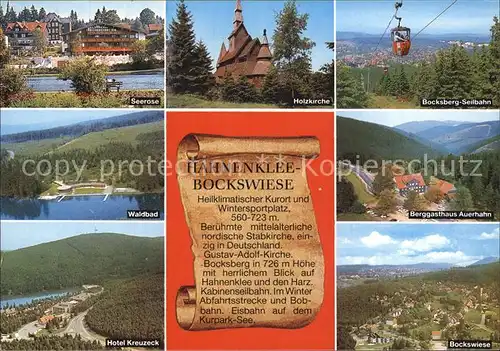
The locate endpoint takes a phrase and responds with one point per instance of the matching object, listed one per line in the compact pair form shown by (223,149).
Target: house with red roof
(410,182)
(21,34)
(445,187)
(244,56)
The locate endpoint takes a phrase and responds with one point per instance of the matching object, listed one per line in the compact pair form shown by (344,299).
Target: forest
(453,73)
(149,146)
(130,309)
(82,128)
(190,67)
(82,259)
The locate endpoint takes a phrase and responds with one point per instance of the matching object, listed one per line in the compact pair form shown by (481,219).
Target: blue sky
(86,9)
(20,234)
(372,16)
(213,22)
(393,118)
(454,243)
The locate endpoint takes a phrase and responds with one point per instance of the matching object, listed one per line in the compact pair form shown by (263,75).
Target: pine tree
(402,87)
(386,203)
(425,83)
(349,92)
(454,72)
(4,50)
(494,72)
(202,67)
(182,51)
(462,200)
(3,23)
(245,91)
(25,15)
(42,14)
(384,180)
(345,196)
(292,50)
(414,202)
(34,13)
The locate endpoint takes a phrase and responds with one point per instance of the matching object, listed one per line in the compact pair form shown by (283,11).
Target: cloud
(452,257)
(489,236)
(406,252)
(345,240)
(376,239)
(427,243)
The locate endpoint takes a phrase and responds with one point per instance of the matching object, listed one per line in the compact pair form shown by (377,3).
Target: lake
(139,81)
(80,207)
(21,300)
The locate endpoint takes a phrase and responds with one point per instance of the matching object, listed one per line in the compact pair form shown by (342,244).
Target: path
(76,326)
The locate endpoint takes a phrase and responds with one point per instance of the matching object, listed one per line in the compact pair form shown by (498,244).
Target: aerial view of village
(108,283)
(415,287)
(391,163)
(250,54)
(446,50)
(86,164)
(82,54)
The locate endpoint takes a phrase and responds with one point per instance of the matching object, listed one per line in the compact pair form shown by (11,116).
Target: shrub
(86,75)
(13,86)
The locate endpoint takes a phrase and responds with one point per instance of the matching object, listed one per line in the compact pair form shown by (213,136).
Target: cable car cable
(435,18)
(398,5)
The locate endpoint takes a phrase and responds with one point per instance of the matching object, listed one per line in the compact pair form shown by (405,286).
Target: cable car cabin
(401,42)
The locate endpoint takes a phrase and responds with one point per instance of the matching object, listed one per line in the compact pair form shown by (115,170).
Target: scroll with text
(258,260)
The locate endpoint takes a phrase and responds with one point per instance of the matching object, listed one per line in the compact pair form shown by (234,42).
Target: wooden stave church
(247,57)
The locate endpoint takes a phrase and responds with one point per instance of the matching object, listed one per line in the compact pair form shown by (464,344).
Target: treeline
(15,182)
(189,65)
(82,128)
(66,342)
(83,259)
(453,73)
(132,309)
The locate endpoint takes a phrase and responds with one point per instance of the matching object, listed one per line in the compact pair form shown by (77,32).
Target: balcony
(103,49)
(107,40)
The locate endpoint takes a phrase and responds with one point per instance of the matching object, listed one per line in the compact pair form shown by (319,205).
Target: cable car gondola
(400,36)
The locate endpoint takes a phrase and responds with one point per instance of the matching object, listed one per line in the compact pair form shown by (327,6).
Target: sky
(393,118)
(372,16)
(86,9)
(455,243)
(213,22)
(21,234)
(29,119)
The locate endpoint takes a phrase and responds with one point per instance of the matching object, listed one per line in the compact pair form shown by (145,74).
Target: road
(366,177)
(77,326)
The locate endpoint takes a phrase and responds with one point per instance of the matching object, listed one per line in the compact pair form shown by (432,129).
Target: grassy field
(480,333)
(88,190)
(123,134)
(355,217)
(51,191)
(191,101)
(39,147)
(360,189)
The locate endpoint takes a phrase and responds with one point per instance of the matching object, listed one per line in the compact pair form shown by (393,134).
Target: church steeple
(264,51)
(238,15)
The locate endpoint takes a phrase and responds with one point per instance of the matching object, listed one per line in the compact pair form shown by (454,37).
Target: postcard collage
(250,175)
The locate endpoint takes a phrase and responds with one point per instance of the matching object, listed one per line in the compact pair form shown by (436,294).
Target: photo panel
(416,165)
(82,285)
(250,54)
(82,164)
(82,54)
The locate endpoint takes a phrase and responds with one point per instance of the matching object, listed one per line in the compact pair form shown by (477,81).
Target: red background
(319,335)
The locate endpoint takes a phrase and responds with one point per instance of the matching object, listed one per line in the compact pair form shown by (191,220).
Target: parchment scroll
(258,260)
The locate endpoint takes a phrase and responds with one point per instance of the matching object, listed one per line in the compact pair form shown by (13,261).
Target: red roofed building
(445,187)
(21,36)
(245,56)
(410,182)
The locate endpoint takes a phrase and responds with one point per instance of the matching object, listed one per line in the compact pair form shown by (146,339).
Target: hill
(486,260)
(476,274)
(82,259)
(82,128)
(459,138)
(487,145)
(374,141)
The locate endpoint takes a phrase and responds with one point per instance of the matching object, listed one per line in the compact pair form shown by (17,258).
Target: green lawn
(354,217)
(389,102)
(360,189)
(124,134)
(480,333)
(191,101)
(51,191)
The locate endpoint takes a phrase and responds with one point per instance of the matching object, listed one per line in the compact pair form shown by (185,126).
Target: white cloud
(457,257)
(489,236)
(376,239)
(427,243)
(453,257)
(406,252)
